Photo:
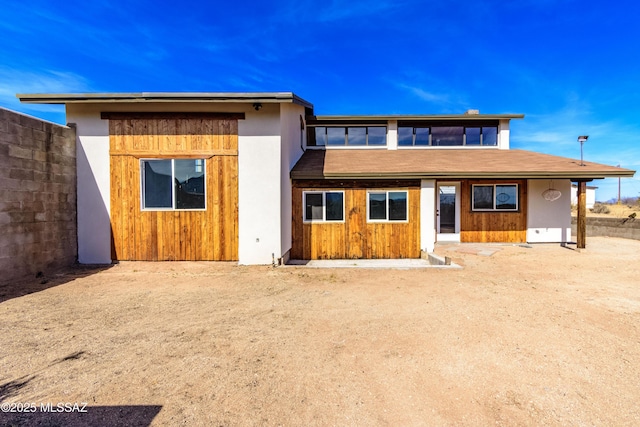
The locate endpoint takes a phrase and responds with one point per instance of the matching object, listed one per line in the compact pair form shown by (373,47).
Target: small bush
(600,208)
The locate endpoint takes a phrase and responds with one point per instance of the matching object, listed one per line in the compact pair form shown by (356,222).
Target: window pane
(397,206)
(405,136)
(335,136)
(483,197)
(320,136)
(377,205)
(506,197)
(490,136)
(377,135)
(422,136)
(189,182)
(447,135)
(335,209)
(357,136)
(313,206)
(157,184)
(472,136)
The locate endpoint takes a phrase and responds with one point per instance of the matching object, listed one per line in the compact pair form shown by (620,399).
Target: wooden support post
(582,215)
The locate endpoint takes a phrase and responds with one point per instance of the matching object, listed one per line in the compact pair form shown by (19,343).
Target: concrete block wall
(627,228)
(37,196)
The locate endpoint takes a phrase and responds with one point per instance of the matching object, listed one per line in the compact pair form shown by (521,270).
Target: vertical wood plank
(171,235)
(354,238)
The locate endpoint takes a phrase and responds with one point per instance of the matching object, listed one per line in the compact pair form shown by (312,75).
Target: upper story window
(173,184)
(352,136)
(447,136)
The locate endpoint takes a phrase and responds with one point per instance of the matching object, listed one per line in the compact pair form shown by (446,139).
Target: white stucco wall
(94,226)
(503,135)
(293,138)
(548,221)
(259,198)
(392,135)
(427,215)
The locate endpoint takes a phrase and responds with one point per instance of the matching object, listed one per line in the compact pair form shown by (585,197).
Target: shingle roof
(446,163)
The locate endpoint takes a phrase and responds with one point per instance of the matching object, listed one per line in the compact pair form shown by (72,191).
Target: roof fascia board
(464,175)
(229,97)
(417,117)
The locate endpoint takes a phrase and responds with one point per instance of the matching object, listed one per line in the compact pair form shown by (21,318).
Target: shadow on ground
(43,281)
(135,415)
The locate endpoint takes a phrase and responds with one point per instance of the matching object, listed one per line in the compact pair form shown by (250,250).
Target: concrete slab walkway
(482,249)
(398,264)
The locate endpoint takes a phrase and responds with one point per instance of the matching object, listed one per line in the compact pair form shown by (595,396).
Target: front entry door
(448,214)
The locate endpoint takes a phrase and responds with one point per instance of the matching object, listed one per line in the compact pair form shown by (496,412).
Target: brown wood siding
(493,227)
(174,235)
(355,238)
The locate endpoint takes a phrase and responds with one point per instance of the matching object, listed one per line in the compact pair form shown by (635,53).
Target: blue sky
(572,67)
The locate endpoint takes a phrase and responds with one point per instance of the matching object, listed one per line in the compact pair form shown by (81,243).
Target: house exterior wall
(503,135)
(259,177)
(355,237)
(165,234)
(37,196)
(427,215)
(293,138)
(259,160)
(549,221)
(494,226)
(93,184)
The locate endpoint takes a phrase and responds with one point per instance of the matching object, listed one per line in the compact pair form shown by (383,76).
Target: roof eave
(465,175)
(419,117)
(221,97)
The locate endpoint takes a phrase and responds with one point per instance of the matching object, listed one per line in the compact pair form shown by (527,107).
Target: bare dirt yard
(540,335)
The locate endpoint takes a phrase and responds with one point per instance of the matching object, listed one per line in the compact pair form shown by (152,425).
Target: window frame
(324,207)
(325,142)
(481,126)
(495,197)
(173,207)
(387,220)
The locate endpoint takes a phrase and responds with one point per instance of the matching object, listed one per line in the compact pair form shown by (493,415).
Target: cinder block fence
(627,228)
(37,196)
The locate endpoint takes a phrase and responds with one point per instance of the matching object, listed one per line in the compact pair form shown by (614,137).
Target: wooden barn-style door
(174,186)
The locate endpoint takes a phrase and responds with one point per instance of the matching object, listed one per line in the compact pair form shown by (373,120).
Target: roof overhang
(221,97)
(447,164)
(421,117)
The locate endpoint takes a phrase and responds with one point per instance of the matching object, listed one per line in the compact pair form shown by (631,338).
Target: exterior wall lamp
(582,140)
(257,106)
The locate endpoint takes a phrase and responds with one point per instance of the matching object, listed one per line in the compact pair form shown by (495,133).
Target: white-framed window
(173,184)
(494,197)
(387,206)
(323,206)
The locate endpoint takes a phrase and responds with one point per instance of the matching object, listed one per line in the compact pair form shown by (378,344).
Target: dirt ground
(540,335)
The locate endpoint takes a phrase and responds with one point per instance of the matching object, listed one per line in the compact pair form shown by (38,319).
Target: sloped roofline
(72,98)
(445,163)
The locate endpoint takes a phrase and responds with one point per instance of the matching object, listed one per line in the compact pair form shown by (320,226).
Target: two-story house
(258,178)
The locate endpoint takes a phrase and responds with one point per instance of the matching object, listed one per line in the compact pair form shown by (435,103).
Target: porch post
(582,215)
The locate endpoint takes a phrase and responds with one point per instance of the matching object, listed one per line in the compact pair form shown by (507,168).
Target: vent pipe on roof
(472,112)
